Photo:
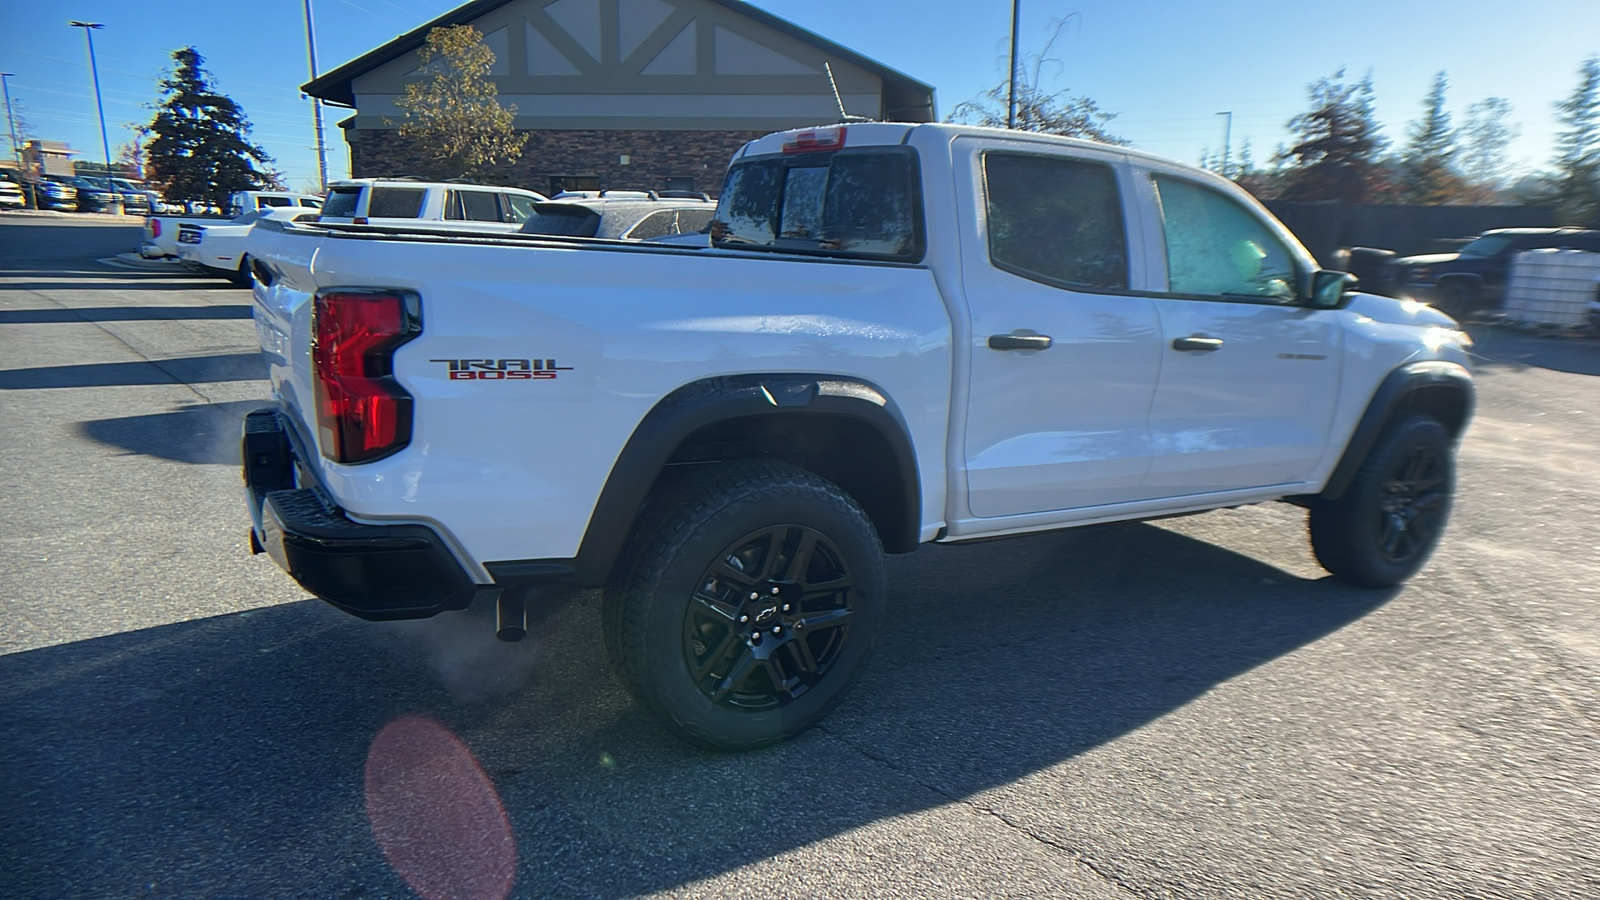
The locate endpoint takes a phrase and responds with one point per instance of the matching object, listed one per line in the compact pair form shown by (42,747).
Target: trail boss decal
(501,369)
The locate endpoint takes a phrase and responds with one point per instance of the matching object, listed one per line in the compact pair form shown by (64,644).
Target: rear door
(1064,353)
(475,210)
(1249,378)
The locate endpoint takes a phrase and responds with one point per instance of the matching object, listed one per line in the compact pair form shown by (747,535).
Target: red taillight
(362,412)
(815,141)
(155,228)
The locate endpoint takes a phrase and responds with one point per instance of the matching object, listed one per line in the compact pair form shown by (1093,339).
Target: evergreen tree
(1336,155)
(200,150)
(454,123)
(1577,178)
(1427,165)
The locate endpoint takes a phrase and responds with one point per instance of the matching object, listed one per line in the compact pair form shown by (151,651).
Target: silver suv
(623,215)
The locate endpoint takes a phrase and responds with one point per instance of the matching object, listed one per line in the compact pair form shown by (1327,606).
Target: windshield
(853,202)
(1488,245)
(249,217)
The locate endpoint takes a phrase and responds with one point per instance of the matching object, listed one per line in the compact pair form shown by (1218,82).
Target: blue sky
(1165,66)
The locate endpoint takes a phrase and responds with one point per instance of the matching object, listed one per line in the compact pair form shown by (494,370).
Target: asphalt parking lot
(1187,708)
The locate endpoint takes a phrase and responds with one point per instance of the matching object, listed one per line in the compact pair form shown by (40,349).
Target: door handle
(1196,342)
(1019,341)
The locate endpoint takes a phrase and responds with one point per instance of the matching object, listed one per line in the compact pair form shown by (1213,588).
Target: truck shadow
(226,755)
(184,370)
(122,314)
(198,433)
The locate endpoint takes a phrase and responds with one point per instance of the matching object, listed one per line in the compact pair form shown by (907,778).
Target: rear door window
(393,203)
(473,206)
(1055,220)
(851,202)
(657,224)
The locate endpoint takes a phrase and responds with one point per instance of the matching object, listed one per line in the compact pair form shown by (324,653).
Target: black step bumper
(401,571)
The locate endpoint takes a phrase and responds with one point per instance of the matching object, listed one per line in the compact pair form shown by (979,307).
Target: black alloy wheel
(771,615)
(746,603)
(1389,519)
(1413,504)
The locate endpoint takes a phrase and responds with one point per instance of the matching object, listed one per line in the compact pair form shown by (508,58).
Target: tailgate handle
(1019,341)
(1197,342)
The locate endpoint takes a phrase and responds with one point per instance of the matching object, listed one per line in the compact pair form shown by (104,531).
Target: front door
(1064,357)
(1249,379)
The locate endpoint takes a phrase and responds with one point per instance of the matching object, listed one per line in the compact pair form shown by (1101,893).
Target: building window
(559,183)
(680,183)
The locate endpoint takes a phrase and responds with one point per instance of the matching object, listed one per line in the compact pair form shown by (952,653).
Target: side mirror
(1328,288)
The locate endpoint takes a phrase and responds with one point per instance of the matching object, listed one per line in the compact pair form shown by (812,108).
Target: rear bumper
(400,571)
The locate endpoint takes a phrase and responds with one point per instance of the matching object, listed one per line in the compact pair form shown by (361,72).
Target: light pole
(1227,137)
(94,70)
(316,104)
(1011,100)
(11,120)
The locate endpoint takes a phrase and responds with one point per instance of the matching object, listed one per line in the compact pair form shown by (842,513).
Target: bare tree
(453,120)
(1050,112)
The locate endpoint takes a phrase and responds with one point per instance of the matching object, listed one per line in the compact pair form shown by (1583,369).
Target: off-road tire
(1390,518)
(692,522)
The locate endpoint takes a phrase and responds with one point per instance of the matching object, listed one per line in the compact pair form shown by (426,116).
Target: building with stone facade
(629,94)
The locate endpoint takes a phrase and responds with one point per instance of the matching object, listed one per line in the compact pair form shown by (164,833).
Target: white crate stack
(1552,287)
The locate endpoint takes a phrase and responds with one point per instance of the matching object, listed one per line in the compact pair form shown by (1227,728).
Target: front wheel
(747,603)
(1390,518)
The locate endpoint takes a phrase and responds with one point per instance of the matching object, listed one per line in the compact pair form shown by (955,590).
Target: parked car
(11,195)
(94,194)
(153,202)
(906,334)
(49,193)
(240,202)
(437,205)
(218,248)
(1473,279)
(161,231)
(621,215)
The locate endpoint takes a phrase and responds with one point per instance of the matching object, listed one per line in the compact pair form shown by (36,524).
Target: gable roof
(335,86)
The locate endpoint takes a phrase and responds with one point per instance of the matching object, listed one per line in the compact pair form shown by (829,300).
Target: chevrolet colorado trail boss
(901,334)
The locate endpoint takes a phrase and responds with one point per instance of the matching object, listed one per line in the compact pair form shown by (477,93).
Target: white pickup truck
(161,231)
(902,334)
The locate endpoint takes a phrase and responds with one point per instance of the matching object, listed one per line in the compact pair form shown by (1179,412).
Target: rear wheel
(241,278)
(1390,518)
(747,603)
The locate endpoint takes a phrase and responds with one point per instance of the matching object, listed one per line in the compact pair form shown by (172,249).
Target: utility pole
(1011,101)
(1227,136)
(316,104)
(16,149)
(94,69)
(10,119)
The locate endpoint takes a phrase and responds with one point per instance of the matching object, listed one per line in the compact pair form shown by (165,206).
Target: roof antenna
(844,117)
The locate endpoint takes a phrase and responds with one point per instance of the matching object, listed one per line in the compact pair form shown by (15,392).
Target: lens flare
(436,814)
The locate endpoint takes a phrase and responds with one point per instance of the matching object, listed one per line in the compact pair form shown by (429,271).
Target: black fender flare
(1440,388)
(707,402)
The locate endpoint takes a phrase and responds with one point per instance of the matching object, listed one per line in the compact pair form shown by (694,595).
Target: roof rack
(683,195)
